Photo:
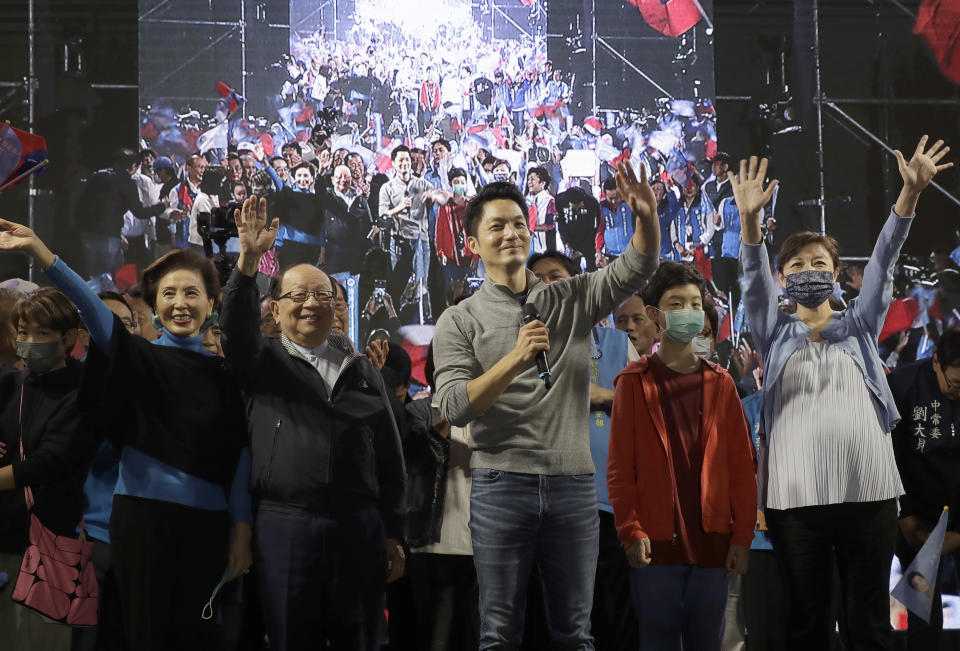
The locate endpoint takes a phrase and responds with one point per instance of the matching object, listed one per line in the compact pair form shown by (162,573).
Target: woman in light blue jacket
(829,479)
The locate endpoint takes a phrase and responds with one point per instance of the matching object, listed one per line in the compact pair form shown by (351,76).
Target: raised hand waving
(748,189)
(923,165)
(17,237)
(255,237)
(643,203)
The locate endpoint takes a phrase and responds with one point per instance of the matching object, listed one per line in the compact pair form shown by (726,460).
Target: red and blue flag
(20,153)
(233,98)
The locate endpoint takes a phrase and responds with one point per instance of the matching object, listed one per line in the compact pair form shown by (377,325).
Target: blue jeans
(677,603)
(421,270)
(516,519)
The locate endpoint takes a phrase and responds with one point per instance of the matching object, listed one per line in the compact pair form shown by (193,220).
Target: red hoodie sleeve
(621,460)
(742,465)
(444,237)
(598,240)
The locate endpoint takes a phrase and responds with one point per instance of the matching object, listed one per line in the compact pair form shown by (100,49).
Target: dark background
(868,52)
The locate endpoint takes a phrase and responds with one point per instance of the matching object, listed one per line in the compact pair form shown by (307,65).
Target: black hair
(147,152)
(304,165)
(491,192)
(710,315)
(948,349)
(610,184)
(670,274)
(442,142)
(397,368)
(456,173)
(399,149)
(125,158)
(291,145)
(564,260)
(541,173)
(115,296)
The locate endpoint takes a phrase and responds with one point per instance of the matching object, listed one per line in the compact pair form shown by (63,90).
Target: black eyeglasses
(129,324)
(301,296)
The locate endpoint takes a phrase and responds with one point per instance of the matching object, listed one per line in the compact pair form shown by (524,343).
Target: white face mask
(702,346)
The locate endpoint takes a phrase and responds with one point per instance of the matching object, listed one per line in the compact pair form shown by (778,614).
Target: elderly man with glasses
(327,471)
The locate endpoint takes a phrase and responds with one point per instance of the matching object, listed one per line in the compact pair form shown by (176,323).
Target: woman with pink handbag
(181,508)
(44,455)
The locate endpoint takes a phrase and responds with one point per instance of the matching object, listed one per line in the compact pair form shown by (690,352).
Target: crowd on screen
(735,416)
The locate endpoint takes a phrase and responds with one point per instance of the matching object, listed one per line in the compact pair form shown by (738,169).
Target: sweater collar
(194,344)
(495,291)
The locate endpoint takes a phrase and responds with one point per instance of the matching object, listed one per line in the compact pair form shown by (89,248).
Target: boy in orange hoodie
(680,474)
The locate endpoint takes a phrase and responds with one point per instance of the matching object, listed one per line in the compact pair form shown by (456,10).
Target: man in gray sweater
(533,497)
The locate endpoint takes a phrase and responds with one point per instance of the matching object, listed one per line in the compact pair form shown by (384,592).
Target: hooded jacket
(640,467)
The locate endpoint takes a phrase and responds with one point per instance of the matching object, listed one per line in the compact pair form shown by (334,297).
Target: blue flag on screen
(916,586)
(740,323)
(9,151)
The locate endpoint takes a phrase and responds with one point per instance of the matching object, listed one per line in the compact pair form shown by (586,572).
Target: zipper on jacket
(333,389)
(273,448)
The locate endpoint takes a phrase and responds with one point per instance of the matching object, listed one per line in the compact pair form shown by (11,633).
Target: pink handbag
(57,578)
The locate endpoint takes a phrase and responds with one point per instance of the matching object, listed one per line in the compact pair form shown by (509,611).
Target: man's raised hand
(643,203)
(255,238)
(638,194)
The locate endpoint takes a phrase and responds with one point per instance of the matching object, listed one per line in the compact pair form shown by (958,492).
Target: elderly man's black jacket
(312,451)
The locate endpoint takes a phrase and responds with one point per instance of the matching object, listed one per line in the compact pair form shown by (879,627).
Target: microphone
(530,314)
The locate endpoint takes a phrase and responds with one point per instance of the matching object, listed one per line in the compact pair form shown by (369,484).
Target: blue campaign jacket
(778,336)
(730,242)
(751,409)
(608,356)
(617,227)
(666,211)
(696,215)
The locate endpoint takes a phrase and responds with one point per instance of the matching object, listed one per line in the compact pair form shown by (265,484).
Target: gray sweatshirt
(529,429)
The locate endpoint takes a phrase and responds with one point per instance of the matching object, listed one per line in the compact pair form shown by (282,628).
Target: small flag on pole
(915,589)
(233,98)
(21,154)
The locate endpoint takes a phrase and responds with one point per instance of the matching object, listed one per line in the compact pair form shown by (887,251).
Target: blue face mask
(683,325)
(459,190)
(810,288)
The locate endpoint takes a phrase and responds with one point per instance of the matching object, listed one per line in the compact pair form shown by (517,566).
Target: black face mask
(810,288)
(40,357)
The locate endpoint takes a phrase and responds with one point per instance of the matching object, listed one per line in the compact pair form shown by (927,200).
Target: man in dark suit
(347,223)
(327,468)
